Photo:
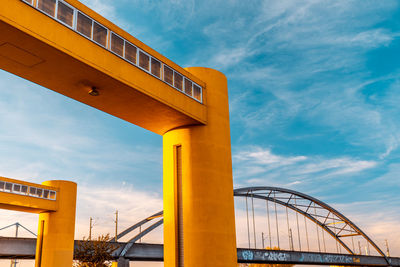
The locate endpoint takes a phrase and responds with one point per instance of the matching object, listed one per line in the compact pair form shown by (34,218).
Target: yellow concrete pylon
(199,222)
(55,242)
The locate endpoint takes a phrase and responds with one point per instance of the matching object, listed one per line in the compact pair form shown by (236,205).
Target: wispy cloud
(290,55)
(257,165)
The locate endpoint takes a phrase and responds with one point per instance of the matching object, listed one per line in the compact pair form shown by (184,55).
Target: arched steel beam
(139,236)
(302,213)
(251,190)
(133,227)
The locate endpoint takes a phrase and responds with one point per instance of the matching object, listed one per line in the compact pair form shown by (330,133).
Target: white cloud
(260,156)
(337,166)
(101,203)
(293,53)
(231,57)
(105,8)
(258,165)
(108,9)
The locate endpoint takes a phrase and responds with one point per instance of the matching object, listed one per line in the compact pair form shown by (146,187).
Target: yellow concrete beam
(38,48)
(28,201)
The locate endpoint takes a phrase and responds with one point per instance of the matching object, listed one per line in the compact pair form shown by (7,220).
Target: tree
(94,253)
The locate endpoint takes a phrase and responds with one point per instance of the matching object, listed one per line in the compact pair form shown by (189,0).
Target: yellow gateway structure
(67,47)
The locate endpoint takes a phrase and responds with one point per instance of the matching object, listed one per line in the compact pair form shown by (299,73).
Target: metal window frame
(173,81)
(16,191)
(147,54)
(137,49)
(55,194)
(74,27)
(74,18)
(55,9)
(201,92)
(184,87)
(101,25)
(123,45)
(151,66)
(91,29)
(5,187)
(183,84)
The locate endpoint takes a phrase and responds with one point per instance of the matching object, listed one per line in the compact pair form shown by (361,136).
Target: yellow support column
(199,219)
(55,242)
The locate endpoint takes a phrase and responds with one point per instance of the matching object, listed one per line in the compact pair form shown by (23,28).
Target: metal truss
(329,219)
(147,230)
(326,217)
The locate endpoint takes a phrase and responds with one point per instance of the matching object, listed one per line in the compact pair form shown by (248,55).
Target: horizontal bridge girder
(310,258)
(39,48)
(24,248)
(27,197)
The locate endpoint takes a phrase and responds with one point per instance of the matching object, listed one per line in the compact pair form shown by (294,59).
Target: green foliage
(94,253)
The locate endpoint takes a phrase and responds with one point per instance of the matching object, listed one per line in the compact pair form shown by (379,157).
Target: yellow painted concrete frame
(39,48)
(207,187)
(55,242)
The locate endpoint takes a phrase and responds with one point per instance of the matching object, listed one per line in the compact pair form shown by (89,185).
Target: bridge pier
(199,219)
(55,242)
(122,262)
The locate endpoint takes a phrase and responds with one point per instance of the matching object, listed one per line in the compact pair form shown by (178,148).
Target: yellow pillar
(55,242)
(199,220)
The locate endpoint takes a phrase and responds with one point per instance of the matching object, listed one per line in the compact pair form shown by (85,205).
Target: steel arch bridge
(318,213)
(326,217)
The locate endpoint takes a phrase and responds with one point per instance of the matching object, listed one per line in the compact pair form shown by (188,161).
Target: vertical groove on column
(40,249)
(178,157)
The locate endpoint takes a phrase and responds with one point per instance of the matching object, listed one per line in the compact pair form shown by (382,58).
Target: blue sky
(314,100)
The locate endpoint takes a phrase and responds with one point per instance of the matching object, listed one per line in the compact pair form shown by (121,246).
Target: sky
(313,90)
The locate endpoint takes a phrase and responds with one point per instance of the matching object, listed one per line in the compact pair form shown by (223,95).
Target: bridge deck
(27,197)
(67,47)
(24,248)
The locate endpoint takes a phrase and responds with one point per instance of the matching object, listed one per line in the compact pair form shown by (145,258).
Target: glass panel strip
(93,30)
(31,191)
